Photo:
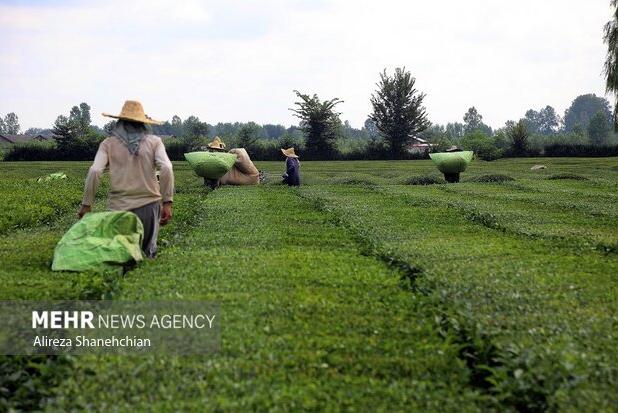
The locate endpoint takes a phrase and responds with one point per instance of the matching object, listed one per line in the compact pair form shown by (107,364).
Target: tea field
(374,286)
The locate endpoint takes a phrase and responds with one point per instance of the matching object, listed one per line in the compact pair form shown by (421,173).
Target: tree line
(398,119)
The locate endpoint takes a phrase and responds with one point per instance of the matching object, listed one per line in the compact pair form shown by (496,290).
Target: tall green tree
(248,135)
(371,128)
(177,126)
(11,124)
(193,126)
(583,108)
(598,129)
(473,121)
(548,121)
(398,110)
(611,60)
(519,138)
(455,131)
(320,124)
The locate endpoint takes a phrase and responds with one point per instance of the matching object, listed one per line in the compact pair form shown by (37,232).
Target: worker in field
(292,167)
(243,172)
(132,154)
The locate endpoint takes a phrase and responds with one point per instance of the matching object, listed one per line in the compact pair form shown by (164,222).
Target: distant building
(419,145)
(13,139)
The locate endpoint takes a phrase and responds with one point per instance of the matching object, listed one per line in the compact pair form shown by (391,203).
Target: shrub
(425,180)
(567,176)
(581,150)
(492,178)
(483,146)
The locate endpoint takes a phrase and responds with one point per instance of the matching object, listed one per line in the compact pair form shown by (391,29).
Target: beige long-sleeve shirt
(133,181)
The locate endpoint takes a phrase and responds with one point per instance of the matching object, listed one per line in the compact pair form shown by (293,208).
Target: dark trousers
(150,215)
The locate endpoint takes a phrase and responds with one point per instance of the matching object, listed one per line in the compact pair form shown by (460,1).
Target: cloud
(240,60)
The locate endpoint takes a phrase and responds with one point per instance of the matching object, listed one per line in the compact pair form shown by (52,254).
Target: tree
(473,121)
(192,126)
(2,125)
(582,109)
(248,135)
(371,128)
(177,125)
(274,131)
(532,120)
(65,131)
(483,146)
(319,122)
(548,121)
(455,131)
(519,138)
(33,131)
(11,124)
(598,129)
(611,61)
(109,127)
(398,110)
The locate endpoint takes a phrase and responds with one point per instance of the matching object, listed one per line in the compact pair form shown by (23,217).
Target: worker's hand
(166,213)
(83,211)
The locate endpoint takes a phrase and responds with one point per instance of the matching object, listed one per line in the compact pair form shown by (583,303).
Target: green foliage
(519,139)
(492,178)
(545,122)
(398,110)
(10,124)
(473,122)
(484,147)
(320,124)
(571,176)
(248,135)
(598,129)
(468,297)
(611,61)
(583,109)
(73,132)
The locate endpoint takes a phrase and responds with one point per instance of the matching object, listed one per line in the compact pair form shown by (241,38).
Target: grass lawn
(356,291)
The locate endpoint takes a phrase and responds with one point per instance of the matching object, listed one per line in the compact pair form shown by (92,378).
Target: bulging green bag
(100,241)
(210,165)
(452,162)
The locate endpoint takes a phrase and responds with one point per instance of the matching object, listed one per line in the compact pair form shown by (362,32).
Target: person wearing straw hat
(132,154)
(243,171)
(217,145)
(292,167)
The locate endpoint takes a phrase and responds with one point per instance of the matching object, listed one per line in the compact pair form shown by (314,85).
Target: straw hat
(134,111)
(216,143)
(289,153)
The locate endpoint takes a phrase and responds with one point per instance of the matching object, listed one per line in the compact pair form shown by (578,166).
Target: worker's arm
(101,161)
(166,181)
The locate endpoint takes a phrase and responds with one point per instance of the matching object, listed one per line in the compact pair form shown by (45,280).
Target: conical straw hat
(216,143)
(289,153)
(134,111)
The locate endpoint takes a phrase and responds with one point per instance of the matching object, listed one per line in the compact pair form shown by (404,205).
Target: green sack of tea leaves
(452,162)
(100,241)
(52,177)
(210,165)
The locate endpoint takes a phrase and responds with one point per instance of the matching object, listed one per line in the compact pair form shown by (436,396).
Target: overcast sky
(233,60)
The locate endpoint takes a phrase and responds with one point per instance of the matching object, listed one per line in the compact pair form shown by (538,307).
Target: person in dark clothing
(292,168)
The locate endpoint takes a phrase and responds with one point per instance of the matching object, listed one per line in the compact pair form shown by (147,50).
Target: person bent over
(292,168)
(132,155)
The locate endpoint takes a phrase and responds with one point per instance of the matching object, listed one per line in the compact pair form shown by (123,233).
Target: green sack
(51,177)
(452,162)
(100,241)
(210,165)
